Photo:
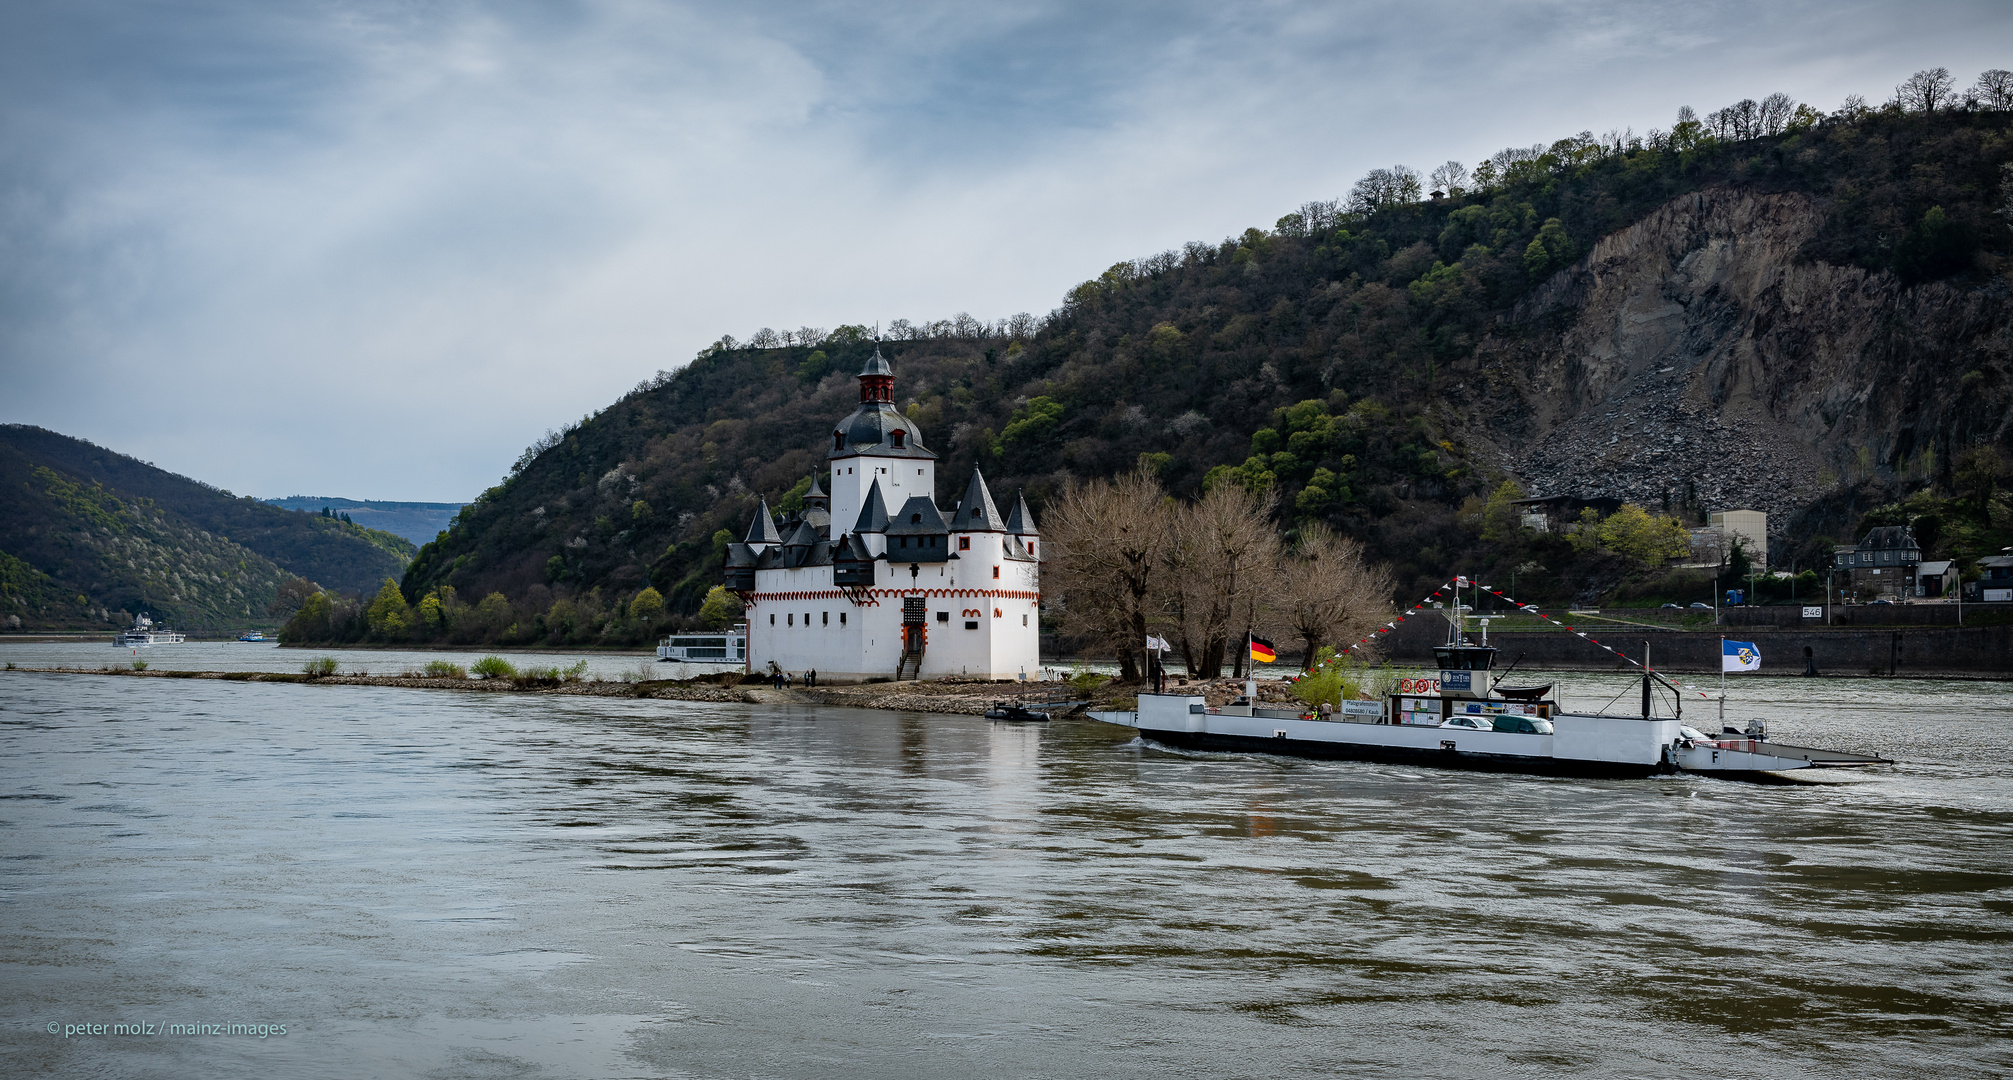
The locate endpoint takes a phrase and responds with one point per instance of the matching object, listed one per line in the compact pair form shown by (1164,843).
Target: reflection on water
(436,884)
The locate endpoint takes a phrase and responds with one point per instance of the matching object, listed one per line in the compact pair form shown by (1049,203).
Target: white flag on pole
(1158,644)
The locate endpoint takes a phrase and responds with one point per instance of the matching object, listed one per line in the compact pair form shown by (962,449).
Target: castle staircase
(910,668)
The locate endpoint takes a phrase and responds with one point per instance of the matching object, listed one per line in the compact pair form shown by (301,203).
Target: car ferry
(1464,719)
(730,647)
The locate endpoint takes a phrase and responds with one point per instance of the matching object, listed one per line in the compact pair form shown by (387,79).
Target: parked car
(1524,725)
(1673,607)
(1470,723)
(1698,606)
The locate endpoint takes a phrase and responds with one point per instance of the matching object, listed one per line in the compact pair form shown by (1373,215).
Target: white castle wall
(800,622)
(900,478)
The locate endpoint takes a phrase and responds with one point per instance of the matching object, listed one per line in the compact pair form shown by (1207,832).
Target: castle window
(839,441)
(824,618)
(842,618)
(1023,620)
(772,618)
(943,616)
(964,543)
(898,437)
(905,542)
(1030,549)
(790,619)
(996,573)
(915,519)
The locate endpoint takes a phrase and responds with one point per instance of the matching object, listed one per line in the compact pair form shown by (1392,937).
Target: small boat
(144,632)
(1013,710)
(730,647)
(253,635)
(1462,721)
(1036,709)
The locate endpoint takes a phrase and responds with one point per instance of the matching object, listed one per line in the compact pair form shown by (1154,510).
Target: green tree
(1549,250)
(1499,517)
(720,607)
(1644,537)
(647,606)
(389,615)
(1585,533)
(1032,424)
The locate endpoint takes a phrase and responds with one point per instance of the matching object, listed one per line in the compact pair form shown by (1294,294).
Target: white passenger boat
(730,647)
(1463,720)
(144,632)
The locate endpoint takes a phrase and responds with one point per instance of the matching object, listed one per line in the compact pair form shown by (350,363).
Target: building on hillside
(1553,513)
(1995,579)
(1748,528)
(874,580)
(1934,579)
(1882,565)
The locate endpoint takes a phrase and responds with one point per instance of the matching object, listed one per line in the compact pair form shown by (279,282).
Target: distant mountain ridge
(89,536)
(418,522)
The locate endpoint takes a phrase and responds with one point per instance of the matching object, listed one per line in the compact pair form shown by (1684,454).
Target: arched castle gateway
(874,580)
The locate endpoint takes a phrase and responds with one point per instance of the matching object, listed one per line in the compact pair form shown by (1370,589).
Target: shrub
(138,665)
(445,669)
(551,675)
(492,667)
(1086,681)
(319,667)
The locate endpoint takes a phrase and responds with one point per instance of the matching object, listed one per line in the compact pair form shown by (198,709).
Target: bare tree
(1925,91)
(1328,592)
(1451,178)
(1776,111)
(1995,89)
(1219,567)
(1106,540)
(1379,188)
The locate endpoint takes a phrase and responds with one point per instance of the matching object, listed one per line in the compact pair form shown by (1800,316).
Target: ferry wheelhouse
(730,647)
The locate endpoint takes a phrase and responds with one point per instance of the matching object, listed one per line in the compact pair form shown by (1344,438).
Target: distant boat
(730,647)
(144,632)
(252,635)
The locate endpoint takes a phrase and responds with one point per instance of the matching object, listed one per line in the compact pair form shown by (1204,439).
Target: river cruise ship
(144,632)
(1464,719)
(729,647)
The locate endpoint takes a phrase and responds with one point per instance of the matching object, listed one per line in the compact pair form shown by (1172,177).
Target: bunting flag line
(1528,609)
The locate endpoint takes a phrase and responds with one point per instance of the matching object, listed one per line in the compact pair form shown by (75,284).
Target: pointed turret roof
(873,513)
(918,515)
(763,529)
(877,364)
(976,512)
(816,492)
(1020,521)
(804,535)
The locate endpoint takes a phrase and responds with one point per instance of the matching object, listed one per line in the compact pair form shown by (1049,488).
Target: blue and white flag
(1739,656)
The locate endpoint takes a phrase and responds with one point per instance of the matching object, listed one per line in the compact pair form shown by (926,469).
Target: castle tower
(877,444)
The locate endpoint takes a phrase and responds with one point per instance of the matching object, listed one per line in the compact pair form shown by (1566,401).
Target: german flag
(1262,651)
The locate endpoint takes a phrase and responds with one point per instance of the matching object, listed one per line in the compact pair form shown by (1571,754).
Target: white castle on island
(874,581)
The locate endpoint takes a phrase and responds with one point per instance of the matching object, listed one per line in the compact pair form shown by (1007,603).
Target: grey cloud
(387,244)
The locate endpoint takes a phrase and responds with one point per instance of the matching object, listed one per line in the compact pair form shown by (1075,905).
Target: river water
(433,884)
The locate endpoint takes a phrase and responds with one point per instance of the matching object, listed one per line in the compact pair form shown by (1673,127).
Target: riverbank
(964,698)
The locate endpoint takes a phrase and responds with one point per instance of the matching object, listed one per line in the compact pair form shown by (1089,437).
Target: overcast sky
(374,249)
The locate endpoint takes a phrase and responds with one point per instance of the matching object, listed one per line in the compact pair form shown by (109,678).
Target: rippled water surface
(459,885)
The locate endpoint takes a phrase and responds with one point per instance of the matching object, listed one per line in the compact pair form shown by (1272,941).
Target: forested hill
(1810,314)
(88,533)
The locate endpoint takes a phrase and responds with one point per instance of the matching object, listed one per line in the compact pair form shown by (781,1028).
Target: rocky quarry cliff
(1698,354)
